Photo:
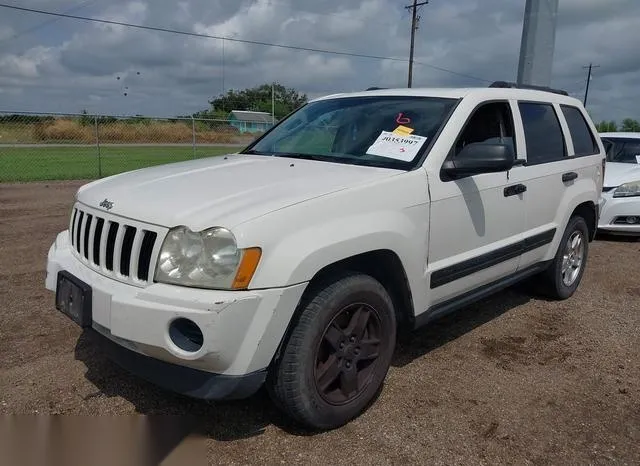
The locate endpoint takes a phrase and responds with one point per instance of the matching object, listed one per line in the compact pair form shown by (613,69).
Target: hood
(620,173)
(222,191)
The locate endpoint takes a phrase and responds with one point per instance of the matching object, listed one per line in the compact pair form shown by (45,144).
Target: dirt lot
(514,380)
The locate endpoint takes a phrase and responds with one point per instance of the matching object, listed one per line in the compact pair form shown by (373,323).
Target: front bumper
(180,379)
(242,329)
(612,209)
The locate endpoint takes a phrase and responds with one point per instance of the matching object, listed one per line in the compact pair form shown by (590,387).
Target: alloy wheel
(348,353)
(573,258)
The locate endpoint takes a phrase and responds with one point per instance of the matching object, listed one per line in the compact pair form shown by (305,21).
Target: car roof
(620,134)
(462,92)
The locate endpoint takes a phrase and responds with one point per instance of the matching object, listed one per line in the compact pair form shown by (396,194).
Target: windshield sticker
(392,146)
(403,130)
(638,159)
(402,120)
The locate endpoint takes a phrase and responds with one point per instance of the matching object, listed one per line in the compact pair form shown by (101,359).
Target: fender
(342,225)
(322,245)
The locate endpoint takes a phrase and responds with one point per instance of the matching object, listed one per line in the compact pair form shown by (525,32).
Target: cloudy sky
(63,65)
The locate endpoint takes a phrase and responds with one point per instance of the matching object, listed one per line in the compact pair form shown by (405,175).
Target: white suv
(294,263)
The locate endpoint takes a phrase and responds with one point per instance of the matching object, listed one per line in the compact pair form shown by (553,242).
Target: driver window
(490,124)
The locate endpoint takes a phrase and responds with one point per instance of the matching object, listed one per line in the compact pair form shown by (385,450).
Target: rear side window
(583,141)
(543,133)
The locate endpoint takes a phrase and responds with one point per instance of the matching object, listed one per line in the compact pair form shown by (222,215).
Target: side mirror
(478,158)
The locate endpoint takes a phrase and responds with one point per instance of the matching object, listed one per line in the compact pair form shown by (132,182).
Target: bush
(63,130)
(131,131)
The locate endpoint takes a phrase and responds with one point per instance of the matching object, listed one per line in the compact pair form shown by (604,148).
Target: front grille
(113,246)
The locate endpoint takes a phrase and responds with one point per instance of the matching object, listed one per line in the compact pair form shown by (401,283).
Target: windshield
(383,131)
(622,150)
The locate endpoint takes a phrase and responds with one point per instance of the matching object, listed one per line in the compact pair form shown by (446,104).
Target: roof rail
(505,84)
(375,88)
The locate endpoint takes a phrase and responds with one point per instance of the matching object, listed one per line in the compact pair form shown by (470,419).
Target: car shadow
(612,238)
(223,421)
(422,341)
(242,419)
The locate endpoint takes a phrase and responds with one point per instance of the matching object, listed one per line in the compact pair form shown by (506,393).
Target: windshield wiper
(256,152)
(295,155)
(292,155)
(393,164)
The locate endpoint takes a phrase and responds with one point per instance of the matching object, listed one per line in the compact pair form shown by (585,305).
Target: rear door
(556,169)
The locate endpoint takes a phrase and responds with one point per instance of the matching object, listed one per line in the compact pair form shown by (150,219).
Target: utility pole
(586,92)
(273,104)
(223,91)
(414,27)
(538,42)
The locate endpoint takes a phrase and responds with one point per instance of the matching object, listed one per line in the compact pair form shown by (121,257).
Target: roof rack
(505,84)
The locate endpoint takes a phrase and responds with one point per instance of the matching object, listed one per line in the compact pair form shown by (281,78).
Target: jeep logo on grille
(107,204)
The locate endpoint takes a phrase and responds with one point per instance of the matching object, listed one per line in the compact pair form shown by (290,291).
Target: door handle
(566,177)
(514,190)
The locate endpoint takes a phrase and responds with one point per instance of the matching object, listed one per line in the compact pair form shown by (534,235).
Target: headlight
(207,259)
(628,190)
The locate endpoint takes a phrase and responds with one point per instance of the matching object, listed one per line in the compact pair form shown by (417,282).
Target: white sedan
(620,203)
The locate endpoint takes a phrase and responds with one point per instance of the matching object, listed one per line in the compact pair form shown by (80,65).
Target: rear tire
(337,354)
(563,276)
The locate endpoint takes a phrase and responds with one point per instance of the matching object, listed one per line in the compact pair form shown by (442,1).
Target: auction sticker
(392,146)
(403,131)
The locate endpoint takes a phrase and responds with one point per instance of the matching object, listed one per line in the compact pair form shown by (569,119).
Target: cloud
(66,65)
(6,32)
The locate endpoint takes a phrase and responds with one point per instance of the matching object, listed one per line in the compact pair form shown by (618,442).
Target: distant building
(250,122)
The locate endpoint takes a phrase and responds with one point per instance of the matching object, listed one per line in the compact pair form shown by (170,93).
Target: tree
(257,99)
(607,127)
(630,125)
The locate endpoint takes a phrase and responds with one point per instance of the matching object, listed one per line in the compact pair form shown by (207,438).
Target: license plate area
(74,299)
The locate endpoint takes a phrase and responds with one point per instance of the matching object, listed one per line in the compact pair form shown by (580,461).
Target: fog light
(630,220)
(186,335)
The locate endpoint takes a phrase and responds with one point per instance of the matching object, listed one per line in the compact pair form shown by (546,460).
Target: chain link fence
(54,146)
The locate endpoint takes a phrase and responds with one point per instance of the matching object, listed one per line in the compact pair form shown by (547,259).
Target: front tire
(337,354)
(565,272)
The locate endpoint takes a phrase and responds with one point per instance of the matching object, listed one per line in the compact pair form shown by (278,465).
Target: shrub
(63,130)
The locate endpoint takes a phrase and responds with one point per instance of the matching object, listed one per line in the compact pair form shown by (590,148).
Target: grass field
(72,163)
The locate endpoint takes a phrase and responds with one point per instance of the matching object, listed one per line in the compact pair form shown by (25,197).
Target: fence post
(193,132)
(95,119)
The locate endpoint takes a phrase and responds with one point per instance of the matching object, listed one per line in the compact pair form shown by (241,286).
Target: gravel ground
(514,379)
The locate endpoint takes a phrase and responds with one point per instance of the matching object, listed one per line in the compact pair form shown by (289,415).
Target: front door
(476,223)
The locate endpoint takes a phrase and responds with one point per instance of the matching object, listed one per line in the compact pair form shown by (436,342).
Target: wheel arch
(589,211)
(384,265)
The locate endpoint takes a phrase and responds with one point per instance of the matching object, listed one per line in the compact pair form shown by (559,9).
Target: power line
(244,41)
(463,75)
(195,34)
(46,23)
